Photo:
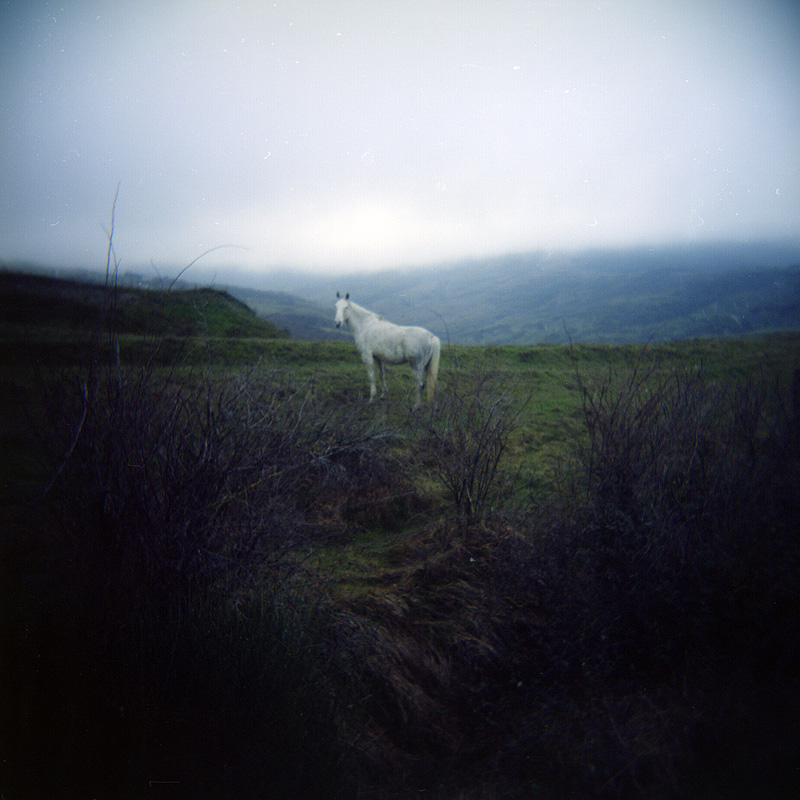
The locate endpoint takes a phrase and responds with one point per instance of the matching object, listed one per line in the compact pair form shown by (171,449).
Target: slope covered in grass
(33,303)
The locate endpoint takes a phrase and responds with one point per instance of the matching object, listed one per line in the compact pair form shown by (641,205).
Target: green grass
(540,378)
(33,305)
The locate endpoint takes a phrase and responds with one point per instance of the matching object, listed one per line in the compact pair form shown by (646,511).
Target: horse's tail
(432,369)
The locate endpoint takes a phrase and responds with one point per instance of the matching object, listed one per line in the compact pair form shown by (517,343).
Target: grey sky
(369,134)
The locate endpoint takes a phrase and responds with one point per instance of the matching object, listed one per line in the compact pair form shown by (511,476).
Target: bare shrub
(676,573)
(668,452)
(683,463)
(185,504)
(171,634)
(464,442)
(173,481)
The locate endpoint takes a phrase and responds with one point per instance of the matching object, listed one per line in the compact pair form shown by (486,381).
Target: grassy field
(225,574)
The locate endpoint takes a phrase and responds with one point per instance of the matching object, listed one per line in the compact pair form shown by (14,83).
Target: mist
(369,135)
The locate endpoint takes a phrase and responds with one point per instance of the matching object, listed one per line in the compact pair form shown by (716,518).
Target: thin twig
(84,393)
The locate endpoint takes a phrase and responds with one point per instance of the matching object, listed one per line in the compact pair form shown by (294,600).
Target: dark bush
(689,498)
(168,483)
(464,441)
(679,578)
(641,638)
(178,646)
(194,696)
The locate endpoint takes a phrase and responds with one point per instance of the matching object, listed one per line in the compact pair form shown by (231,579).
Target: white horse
(380,342)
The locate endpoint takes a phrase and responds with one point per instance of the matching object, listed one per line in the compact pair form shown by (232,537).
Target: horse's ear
(347,296)
(337,295)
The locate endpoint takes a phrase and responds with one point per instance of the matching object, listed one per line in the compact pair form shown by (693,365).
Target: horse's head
(342,307)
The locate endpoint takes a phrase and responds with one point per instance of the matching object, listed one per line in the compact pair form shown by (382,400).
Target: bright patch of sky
(366,134)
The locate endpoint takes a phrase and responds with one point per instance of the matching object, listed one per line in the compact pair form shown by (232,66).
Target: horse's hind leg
(419,377)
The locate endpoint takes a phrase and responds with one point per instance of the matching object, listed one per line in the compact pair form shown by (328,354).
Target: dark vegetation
(226,575)
(38,304)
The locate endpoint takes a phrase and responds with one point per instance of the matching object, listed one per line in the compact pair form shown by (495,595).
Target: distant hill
(303,319)
(29,302)
(608,296)
(611,296)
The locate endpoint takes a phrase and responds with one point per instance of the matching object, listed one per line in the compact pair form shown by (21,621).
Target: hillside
(612,296)
(302,318)
(34,302)
(564,579)
(620,296)
(221,568)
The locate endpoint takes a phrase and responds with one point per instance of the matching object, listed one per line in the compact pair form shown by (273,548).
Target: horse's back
(398,343)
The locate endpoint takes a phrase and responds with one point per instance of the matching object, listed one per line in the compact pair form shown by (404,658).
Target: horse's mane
(372,313)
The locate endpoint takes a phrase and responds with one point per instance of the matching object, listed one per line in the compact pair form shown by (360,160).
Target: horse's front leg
(369,363)
(381,369)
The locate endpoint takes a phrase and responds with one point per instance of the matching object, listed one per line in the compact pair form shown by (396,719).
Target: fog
(364,135)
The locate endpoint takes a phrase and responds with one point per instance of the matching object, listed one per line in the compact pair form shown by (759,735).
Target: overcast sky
(364,134)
